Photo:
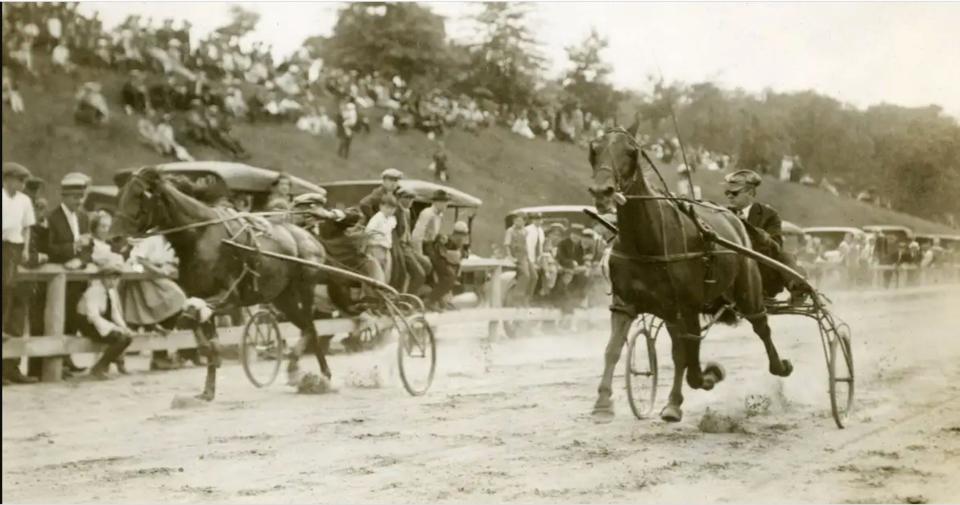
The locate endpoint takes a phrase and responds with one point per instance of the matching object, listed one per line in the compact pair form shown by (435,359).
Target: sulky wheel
(261,349)
(416,353)
(641,366)
(840,368)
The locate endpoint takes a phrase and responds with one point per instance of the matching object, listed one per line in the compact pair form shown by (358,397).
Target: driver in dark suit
(764,228)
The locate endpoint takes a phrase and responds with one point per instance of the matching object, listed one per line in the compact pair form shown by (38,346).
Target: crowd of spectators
(185,91)
(103,310)
(852,261)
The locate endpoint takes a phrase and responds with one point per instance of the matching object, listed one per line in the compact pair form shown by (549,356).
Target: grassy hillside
(502,169)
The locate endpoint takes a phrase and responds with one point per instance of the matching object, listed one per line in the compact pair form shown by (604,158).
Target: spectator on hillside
(23,55)
(235,104)
(10,93)
(346,123)
(161,94)
(103,54)
(168,140)
(440,162)
(61,58)
(135,97)
(380,233)
(218,129)
(101,318)
(91,106)
(18,218)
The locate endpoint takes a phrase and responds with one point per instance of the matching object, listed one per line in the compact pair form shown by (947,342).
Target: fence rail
(51,347)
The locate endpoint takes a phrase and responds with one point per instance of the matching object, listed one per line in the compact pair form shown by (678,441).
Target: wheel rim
(416,354)
(261,349)
(641,372)
(841,375)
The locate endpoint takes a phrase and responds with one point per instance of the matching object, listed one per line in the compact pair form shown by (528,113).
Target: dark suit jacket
(569,252)
(764,217)
(370,204)
(60,239)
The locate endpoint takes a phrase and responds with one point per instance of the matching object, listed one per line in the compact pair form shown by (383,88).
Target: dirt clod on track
(509,422)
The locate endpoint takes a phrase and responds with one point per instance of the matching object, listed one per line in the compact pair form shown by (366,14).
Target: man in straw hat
(18,217)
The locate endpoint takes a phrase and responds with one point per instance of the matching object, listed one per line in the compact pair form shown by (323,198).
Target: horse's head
(137,204)
(614,158)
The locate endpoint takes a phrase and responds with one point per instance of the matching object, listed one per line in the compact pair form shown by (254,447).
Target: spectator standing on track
(390,181)
(380,231)
(536,240)
(68,239)
(416,266)
(101,317)
(515,243)
(18,217)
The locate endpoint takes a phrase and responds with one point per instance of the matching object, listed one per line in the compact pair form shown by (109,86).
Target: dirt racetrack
(512,425)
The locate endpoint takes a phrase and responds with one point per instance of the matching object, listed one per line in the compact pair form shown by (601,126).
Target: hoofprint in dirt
(511,424)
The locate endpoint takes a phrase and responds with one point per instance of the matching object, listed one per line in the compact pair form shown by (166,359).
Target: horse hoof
(671,414)
(294,378)
(786,368)
(602,415)
(713,374)
(205,396)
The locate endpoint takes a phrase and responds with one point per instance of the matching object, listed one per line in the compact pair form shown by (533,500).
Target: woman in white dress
(155,303)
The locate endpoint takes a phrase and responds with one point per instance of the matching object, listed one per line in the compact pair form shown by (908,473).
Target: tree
(242,22)
(506,61)
(587,80)
(398,38)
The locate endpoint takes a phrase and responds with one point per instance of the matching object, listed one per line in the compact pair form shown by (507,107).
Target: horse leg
(672,412)
(321,344)
(208,345)
(748,293)
(620,325)
(778,367)
(287,303)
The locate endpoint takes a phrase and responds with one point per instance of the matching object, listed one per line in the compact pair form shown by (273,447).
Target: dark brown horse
(223,276)
(662,265)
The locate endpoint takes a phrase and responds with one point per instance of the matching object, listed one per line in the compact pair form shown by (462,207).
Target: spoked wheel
(416,353)
(840,368)
(261,349)
(641,367)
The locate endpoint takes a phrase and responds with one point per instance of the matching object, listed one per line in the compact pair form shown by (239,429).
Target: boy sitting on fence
(101,317)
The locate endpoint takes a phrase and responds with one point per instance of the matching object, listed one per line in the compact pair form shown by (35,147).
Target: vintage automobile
(794,237)
(563,214)
(101,196)
(831,236)
(949,243)
(239,178)
(899,233)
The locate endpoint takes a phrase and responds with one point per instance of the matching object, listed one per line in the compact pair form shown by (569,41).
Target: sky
(860,53)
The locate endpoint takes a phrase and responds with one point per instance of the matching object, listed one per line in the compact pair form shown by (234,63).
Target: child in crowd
(101,317)
(380,231)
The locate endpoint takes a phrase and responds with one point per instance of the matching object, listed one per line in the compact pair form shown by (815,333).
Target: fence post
(54,319)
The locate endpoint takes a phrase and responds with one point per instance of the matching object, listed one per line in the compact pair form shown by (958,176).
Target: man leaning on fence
(18,217)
